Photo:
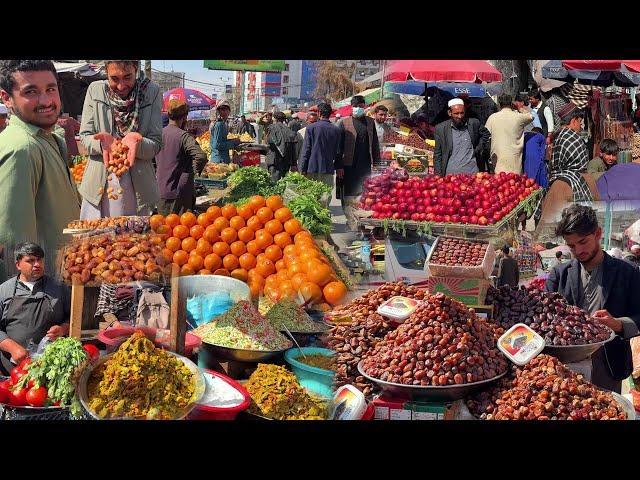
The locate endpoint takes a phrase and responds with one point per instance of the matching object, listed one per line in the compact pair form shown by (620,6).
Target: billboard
(246,65)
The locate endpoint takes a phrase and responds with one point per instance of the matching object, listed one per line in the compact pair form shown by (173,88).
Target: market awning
(81,68)
(560,70)
(418,88)
(371,95)
(371,81)
(474,71)
(195,99)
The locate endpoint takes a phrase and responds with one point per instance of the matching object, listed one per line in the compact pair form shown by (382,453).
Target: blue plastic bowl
(317,380)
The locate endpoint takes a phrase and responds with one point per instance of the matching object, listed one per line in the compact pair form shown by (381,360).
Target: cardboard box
(389,408)
(470,291)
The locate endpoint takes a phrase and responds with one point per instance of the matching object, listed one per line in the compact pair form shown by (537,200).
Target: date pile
(412,140)
(545,389)
(352,342)
(115,259)
(458,252)
(119,224)
(442,343)
(118,163)
(547,313)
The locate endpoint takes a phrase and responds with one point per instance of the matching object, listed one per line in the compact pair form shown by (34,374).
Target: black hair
(521,97)
(535,94)
(537,130)
(609,146)
(558,254)
(133,63)
(505,249)
(279,116)
(9,67)
(574,114)
(578,219)
(324,110)
(381,108)
(357,100)
(28,249)
(505,100)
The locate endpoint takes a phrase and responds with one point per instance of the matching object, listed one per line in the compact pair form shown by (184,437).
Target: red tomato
(18,397)
(24,363)
(16,374)
(37,396)
(4,393)
(92,350)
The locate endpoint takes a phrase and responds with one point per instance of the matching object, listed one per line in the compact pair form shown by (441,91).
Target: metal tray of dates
(575,353)
(444,393)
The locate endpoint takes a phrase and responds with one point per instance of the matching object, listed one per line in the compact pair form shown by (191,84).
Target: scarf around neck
(126,111)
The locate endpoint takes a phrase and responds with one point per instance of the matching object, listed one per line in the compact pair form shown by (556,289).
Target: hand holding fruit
(131,140)
(106,142)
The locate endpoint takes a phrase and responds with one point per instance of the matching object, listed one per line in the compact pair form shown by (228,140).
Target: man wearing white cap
(4,111)
(460,142)
(507,135)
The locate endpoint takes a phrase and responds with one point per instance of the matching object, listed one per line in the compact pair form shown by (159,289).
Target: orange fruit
(288,249)
(157,239)
(311,292)
(292,226)
(221,249)
(155,221)
(220,223)
(247,261)
(222,271)
(238,248)
(246,234)
(264,238)
(256,202)
(196,231)
(228,211)
(211,234)
(260,257)
(212,262)
(239,274)
(210,218)
(187,270)
(188,219)
(203,248)
(172,220)
(237,222)
(273,253)
(228,235)
(204,220)
(280,265)
(308,254)
(283,214)
(204,271)
(163,230)
(167,256)
(298,280)
(318,273)
(272,292)
(264,214)
(272,280)
(283,276)
(230,262)
(274,202)
(334,292)
(290,259)
(282,239)
(245,211)
(214,210)
(287,291)
(265,267)
(297,267)
(254,275)
(255,287)
(173,244)
(196,262)
(254,223)
(180,257)
(273,227)
(181,232)
(189,244)
(254,248)
(302,235)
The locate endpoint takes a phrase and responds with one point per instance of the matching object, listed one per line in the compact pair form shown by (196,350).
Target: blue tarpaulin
(454,89)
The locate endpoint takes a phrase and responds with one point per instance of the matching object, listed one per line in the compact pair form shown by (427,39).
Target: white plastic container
(520,344)
(348,403)
(398,308)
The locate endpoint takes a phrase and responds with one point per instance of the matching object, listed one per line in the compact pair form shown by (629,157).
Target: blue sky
(194,70)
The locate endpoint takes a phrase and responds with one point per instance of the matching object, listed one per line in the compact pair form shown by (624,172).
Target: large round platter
(444,393)
(83,381)
(241,355)
(626,405)
(575,353)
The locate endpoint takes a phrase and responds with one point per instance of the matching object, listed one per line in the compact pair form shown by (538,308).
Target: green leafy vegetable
(302,185)
(249,181)
(313,216)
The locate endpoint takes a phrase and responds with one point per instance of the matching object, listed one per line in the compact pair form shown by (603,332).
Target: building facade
(168,80)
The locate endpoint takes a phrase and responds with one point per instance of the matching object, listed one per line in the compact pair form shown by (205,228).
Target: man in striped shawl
(570,155)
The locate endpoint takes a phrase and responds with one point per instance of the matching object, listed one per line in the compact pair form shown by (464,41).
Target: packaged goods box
(470,291)
(388,408)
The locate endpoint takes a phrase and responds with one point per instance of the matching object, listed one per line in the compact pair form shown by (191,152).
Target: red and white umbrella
(474,71)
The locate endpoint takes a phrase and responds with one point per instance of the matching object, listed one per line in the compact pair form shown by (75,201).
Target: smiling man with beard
(37,196)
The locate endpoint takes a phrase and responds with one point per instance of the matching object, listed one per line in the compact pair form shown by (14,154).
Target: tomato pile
(480,199)
(259,243)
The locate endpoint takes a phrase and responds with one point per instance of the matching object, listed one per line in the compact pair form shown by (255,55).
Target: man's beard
(34,121)
(591,257)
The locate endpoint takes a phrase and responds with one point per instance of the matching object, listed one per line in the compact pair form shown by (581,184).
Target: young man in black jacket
(606,287)
(460,142)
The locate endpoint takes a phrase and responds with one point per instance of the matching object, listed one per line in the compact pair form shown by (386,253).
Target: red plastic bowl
(206,412)
(112,337)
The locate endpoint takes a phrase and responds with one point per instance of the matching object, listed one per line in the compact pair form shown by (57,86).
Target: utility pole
(147,69)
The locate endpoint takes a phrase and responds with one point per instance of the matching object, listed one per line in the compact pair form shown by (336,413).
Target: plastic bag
(202,309)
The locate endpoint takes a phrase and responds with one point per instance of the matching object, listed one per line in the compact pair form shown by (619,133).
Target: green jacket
(97,117)
(37,196)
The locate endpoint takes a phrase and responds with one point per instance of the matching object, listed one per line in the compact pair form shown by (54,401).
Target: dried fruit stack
(442,343)
(459,252)
(545,389)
